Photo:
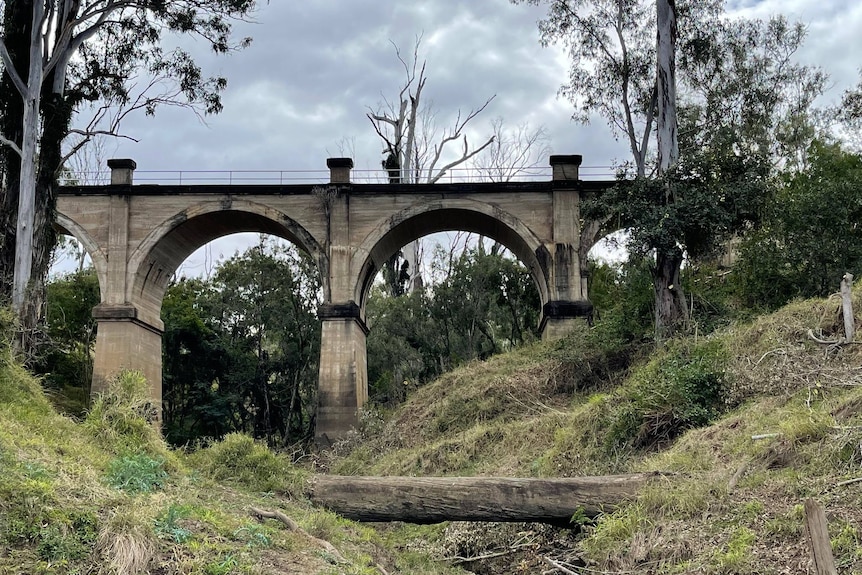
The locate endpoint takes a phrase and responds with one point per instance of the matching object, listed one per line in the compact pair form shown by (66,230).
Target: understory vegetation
(744,424)
(744,415)
(107,495)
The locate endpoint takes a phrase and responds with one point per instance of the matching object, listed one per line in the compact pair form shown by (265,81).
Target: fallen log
(504,499)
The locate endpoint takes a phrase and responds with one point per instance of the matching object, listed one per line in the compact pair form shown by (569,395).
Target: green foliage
(224,565)
(167,524)
(809,238)
(485,303)
(738,552)
(136,473)
(680,389)
(67,536)
(623,299)
(614,531)
(403,346)
(254,535)
(66,360)
(239,459)
(241,349)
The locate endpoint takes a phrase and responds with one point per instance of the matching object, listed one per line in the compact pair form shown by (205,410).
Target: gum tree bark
(670,308)
(114,41)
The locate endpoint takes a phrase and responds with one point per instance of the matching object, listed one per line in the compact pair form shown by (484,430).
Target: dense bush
(240,459)
(680,389)
(65,358)
(623,298)
(810,236)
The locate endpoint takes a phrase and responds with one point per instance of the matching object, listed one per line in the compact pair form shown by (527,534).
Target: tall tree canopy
(58,55)
(241,348)
(743,104)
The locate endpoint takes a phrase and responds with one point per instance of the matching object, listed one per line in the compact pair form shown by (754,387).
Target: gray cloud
(314,68)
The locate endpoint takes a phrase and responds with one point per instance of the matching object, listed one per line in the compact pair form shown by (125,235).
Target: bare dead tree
(515,152)
(413,150)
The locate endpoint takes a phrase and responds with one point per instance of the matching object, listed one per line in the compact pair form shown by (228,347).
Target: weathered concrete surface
(138,236)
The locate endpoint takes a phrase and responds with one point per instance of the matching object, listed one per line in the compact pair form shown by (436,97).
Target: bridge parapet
(565,168)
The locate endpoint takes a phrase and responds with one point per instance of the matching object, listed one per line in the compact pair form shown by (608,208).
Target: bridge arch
(467,215)
(66,225)
(159,255)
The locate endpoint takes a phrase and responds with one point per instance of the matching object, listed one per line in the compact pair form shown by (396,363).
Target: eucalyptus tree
(737,80)
(623,67)
(58,55)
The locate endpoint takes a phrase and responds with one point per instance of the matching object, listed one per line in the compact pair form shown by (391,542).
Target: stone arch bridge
(138,235)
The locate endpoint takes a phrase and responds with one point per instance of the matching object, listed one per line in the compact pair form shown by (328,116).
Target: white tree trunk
(666,122)
(29,152)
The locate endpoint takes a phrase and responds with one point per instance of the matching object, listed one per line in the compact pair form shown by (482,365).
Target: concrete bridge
(138,235)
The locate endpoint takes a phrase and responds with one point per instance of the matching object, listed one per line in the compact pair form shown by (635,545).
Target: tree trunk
(671,311)
(847,307)
(56,114)
(436,499)
(16,28)
(27,192)
(666,122)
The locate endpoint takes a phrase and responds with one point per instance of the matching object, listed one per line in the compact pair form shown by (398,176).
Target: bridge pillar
(568,303)
(125,342)
(343,375)
(126,338)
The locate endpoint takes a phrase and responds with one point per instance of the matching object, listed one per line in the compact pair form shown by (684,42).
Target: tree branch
(7,142)
(10,69)
(463,159)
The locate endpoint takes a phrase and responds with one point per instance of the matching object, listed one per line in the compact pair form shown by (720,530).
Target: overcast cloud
(315,67)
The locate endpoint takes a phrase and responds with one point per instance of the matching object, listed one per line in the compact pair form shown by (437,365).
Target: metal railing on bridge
(287,177)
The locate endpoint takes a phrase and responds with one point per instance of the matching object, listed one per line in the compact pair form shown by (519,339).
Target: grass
(106,495)
(746,425)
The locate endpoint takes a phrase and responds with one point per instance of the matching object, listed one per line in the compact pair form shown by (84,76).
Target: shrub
(167,524)
(680,389)
(136,473)
(239,459)
(122,418)
(68,537)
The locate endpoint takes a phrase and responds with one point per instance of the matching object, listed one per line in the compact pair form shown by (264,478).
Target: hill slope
(747,423)
(107,496)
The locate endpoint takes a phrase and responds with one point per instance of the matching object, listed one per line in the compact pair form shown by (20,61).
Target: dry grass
(733,503)
(127,552)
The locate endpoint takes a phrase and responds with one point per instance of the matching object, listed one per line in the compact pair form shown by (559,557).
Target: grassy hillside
(106,495)
(747,423)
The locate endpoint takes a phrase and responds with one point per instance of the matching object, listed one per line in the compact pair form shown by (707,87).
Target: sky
(314,69)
